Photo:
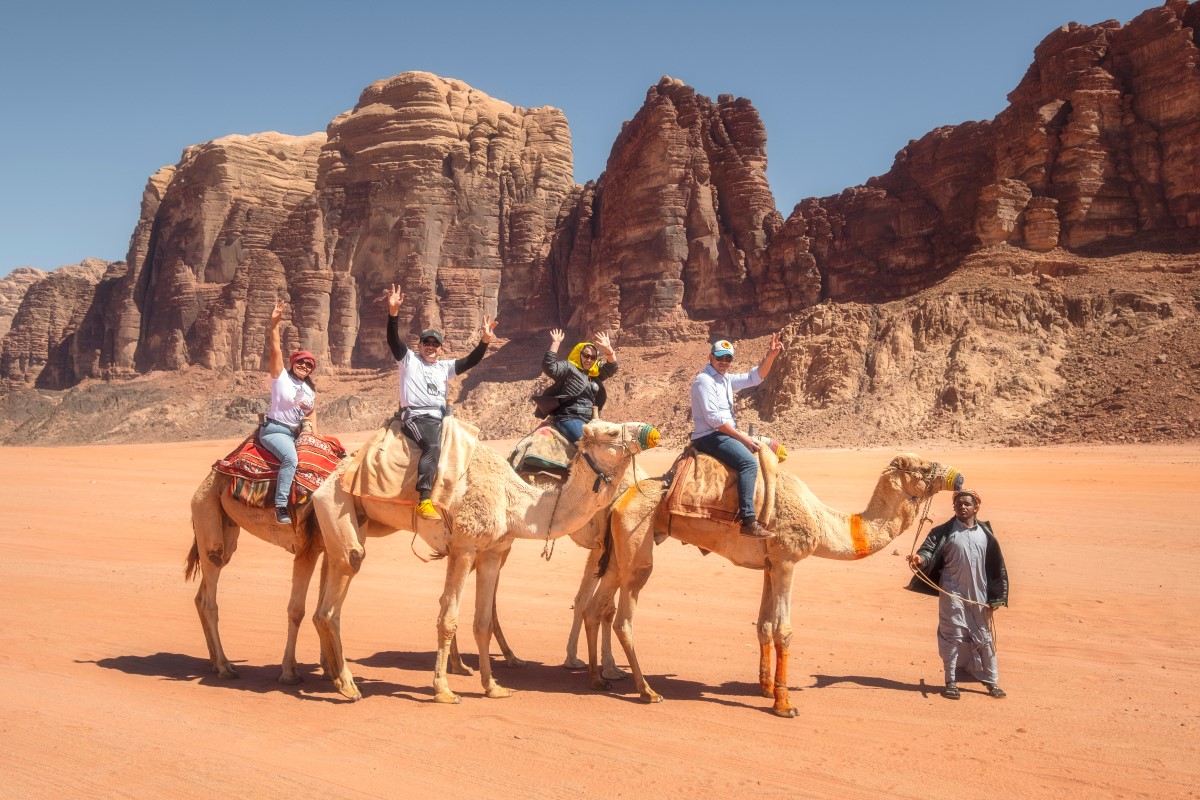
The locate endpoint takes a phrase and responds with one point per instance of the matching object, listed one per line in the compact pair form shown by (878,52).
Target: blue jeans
(280,440)
(735,455)
(570,427)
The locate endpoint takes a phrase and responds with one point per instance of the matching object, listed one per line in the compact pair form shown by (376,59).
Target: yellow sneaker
(425,510)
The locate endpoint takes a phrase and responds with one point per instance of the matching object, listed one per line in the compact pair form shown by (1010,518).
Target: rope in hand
(991,620)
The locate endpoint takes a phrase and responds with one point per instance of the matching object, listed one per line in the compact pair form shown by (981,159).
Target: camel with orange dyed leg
(803,526)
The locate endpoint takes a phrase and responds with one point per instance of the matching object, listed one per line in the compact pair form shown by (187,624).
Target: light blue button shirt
(712,397)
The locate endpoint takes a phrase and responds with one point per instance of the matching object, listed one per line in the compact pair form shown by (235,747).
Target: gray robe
(964,629)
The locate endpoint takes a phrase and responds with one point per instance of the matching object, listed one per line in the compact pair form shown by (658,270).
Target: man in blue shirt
(716,433)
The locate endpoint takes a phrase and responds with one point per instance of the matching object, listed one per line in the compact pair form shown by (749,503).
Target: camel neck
(854,536)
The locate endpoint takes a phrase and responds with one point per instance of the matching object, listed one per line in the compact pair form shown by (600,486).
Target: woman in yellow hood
(578,383)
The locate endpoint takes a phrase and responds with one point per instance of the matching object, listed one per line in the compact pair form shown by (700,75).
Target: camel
(803,526)
(591,538)
(494,508)
(216,521)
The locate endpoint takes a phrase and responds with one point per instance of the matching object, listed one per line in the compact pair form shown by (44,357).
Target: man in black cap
(424,382)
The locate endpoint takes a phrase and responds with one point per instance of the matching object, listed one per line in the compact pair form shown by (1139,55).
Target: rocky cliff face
(469,204)
(39,344)
(1097,147)
(12,291)
(676,232)
(449,193)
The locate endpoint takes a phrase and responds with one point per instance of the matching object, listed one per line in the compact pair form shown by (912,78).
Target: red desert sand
(107,692)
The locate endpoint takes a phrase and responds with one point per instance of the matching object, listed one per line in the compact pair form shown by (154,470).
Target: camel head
(608,446)
(919,478)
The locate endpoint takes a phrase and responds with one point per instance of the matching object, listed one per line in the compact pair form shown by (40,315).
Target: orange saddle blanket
(254,468)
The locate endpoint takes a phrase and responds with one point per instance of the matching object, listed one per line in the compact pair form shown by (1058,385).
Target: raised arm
(486,336)
(394,297)
(774,350)
(274,346)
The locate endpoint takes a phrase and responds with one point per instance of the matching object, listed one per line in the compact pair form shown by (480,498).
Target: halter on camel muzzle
(647,437)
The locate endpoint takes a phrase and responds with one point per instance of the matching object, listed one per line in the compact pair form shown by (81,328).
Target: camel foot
(767,689)
(348,689)
(460,669)
(515,662)
(571,662)
(228,674)
(601,685)
(651,696)
(787,712)
(614,673)
(290,679)
(498,691)
(447,696)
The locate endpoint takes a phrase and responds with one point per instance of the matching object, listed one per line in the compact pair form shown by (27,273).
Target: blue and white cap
(722,348)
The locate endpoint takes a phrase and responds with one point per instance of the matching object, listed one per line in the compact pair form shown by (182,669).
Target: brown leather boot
(752,529)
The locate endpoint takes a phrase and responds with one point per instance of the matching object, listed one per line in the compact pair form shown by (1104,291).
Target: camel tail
(602,565)
(193,561)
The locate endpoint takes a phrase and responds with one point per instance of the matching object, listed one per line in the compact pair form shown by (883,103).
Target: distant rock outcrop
(928,297)
(13,287)
(38,345)
(676,232)
(453,195)
(1100,145)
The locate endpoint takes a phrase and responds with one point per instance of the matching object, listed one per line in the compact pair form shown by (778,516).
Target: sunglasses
(431,343)
(308,365)
(587,357)
(724,359)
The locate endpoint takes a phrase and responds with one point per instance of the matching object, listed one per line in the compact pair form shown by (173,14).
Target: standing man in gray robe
(963,557)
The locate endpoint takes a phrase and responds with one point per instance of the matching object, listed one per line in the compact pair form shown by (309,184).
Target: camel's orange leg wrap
(764,670)
(783,705)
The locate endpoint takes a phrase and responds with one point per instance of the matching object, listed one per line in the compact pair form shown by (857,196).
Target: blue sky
(97,96)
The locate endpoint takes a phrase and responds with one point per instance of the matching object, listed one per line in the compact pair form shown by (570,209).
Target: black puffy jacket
(933,559)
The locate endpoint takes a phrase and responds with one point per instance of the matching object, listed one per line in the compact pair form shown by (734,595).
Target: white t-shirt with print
(291,400)
(423,386)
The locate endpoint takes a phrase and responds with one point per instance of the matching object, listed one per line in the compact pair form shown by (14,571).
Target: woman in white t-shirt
(293,398)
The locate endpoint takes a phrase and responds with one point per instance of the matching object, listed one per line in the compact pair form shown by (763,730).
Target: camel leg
(455,665)
(344,555)
(487,573)
(215,542)
(510,658)
(782,580)
(766,630)
(635,556)
(457,569)
(587,588)
(598,612)
(302,571)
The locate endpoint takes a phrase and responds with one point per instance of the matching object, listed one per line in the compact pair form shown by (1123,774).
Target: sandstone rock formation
(450,193)
(677,230)
(1098,146)
(972,282)
(38,345)
(12,291)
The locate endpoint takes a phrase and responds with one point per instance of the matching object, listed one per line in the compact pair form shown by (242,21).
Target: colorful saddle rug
(704,488)
(543,450)
(254,469)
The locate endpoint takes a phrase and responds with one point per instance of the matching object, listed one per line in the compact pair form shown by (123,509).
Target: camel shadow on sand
(535,676)
(260,679)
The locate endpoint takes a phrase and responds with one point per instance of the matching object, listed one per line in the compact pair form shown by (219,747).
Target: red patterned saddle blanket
(254,468)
